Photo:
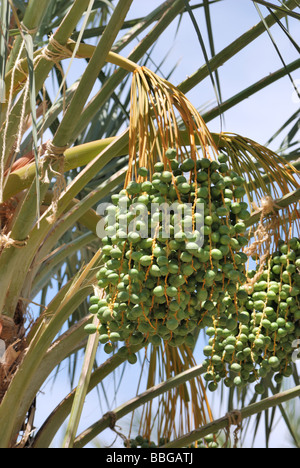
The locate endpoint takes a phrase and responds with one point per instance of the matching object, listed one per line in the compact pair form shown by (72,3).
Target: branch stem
(136,402)
(222,423)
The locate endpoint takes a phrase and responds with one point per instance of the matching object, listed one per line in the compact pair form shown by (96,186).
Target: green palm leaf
(50,252)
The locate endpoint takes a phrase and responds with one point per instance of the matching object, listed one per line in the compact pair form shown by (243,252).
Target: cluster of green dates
(160,287)
(143,442)
(259,333)
(139,441)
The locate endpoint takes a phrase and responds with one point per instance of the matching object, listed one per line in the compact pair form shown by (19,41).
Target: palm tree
(67,145)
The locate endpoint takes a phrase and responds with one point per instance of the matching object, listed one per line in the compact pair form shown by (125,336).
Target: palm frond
(49,258)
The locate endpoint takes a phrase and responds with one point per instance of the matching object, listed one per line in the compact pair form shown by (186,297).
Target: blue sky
(258,118)
(255,117)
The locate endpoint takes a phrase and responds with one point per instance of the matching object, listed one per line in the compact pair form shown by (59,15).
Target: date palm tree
(68,144)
